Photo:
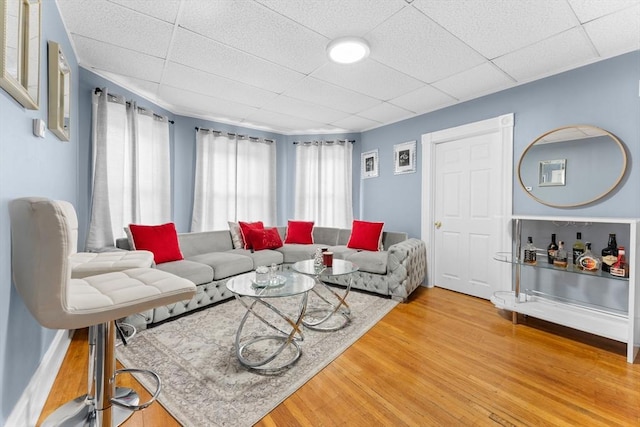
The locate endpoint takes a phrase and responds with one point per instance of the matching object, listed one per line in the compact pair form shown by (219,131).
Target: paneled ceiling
(262,63)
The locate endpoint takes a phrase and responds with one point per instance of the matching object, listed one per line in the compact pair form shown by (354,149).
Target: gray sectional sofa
(210,261)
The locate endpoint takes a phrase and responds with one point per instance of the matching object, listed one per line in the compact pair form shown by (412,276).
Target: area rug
(203,382)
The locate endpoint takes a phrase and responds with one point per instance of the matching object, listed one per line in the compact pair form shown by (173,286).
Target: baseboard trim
(29,406)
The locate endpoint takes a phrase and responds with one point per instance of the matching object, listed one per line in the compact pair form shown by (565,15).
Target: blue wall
(604,94)
(30,166)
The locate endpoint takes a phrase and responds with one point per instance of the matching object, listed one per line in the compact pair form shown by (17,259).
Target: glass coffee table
(274,332)
(329,310)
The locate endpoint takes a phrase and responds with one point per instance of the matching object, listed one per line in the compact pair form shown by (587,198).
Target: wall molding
(29,406)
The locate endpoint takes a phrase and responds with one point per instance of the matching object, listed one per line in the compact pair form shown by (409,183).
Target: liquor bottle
(530,252)
(620,268)
(610,253)
(578,248)
(588,261)
(551,249)
(560,260)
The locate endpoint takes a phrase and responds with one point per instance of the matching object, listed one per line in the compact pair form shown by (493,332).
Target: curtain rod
(241,136)
(330,141)
(98,90)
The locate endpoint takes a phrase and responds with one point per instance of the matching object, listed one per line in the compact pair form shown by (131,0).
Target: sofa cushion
(225,264)
(299,232)
(265,257)
(366,235)
(370,262)
(245,228)
(293,252)
(204,242)
(196,272)
(236,235)
(265,239)
(342,251)
(161,240)
(326,235)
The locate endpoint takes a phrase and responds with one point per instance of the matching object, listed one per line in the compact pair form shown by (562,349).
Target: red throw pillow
(162,240)
(244,229)
(365,235)
(269,238)
(300,232)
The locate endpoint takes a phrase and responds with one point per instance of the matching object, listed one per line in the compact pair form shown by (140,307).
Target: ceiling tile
(586,10)
(144,88)
(117,25)
(207,55)
(412,43)
(386,113)
(496,27)
(273,37)
(331,96)
(356,123)
(337,18)
(118,60)
(477,81)
(549,56)
(206,106)
(368,77)
(183,77)
(427,98)
(304,109)
(616,33)
(284,121)
(167,10)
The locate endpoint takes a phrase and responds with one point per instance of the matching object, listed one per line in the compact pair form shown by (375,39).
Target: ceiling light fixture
(347,50)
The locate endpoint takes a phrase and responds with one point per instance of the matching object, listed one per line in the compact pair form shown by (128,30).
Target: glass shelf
(542,263)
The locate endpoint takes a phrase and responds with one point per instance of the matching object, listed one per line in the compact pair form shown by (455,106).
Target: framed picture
(370,164)
(404,157)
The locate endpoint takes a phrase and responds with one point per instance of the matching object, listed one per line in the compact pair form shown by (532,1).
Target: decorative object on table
(262,275)
(20,51)
(327,259)
(369,164)
(318,258)
(404,158)
(59,92)
(202,360)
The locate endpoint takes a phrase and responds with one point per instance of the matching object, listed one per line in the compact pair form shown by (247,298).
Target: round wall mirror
(572,166)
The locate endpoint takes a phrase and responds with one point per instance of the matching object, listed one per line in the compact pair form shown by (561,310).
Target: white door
(469,208)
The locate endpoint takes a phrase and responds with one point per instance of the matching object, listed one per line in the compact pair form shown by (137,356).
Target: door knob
(438,224)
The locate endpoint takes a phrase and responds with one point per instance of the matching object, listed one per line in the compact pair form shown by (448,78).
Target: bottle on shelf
(620,268)
(588,261)
(560,260)
(610,253)
(578,248)
(551,249)
(530,256)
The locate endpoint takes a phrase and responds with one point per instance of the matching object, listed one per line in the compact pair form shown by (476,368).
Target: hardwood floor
(443,359)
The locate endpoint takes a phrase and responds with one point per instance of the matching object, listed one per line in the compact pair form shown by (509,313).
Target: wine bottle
(610,254)
(560,260)
(620,268)
(588,261)
(578,248)
(551,249)
(530,252)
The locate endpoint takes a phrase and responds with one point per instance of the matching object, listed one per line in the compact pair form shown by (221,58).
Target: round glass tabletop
(338,268)
(292,284)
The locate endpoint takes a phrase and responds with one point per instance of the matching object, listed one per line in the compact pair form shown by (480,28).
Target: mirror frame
(59,92)
(18,87)
(573,205)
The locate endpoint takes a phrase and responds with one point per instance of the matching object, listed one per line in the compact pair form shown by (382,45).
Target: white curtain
(235,180)
(323,183)
(131,169)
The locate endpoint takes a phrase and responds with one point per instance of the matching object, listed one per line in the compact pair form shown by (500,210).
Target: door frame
(503,125)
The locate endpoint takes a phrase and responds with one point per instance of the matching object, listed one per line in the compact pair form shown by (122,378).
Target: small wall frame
(369,164)
(404,158)
(59,92)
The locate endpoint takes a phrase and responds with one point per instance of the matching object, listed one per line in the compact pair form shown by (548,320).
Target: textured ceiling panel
(272,36)
(142,87)
(560,52)
(412,43)
(485,78)
(329,95)
(425,99)
(496,27)
(167,10)
(353,123)
(386,113)
(616,33)
(291,123)
(337,18)
(304,109)
(221,109)
(586,10)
